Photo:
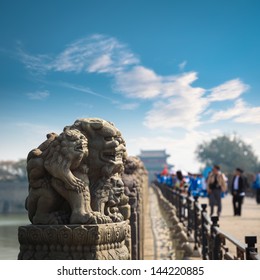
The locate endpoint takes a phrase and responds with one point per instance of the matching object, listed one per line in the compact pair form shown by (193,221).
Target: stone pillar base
(75,242)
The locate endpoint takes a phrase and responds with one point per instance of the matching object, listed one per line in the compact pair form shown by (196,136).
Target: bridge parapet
(203,237)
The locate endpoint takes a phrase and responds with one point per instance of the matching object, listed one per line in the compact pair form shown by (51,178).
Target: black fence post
(250,249)
(215,239)
(204,232)
(168,193)
(190,216)
(196,224)
(180,206)
(172,196)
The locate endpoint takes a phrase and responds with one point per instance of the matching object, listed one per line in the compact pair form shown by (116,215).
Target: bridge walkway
(157,242)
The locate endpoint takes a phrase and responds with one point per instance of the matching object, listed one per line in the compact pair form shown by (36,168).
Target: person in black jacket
(238,191)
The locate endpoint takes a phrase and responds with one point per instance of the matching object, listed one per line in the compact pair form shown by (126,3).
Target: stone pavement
(149,243)
(157,243)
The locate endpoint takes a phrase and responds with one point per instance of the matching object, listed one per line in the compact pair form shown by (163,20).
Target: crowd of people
(212,183)
(195,184)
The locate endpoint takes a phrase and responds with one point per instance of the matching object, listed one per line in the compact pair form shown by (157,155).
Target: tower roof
(153,153)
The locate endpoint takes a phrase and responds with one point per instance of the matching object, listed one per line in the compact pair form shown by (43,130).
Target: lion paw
(102,219)
(117,217)
(89,218)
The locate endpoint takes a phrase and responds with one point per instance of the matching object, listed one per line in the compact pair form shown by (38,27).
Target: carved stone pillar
(135,179)
(74,242)
(77,203)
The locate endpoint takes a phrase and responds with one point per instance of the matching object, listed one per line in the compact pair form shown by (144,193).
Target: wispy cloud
(86,90)
(174,100)
(139,82)
(238,109)
(181,111)
(176,103)
(182,65)
(35,64)
(144,83)
(250,115)
(38,95)
(97,53)
(241,112)
(227,91)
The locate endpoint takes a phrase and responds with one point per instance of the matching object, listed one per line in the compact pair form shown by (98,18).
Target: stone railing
(135,178)
(181,241)
(195,234)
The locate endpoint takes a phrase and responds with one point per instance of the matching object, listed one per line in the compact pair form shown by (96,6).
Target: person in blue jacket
(256,186)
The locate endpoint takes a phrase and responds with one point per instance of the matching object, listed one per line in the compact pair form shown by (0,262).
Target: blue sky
(169,73)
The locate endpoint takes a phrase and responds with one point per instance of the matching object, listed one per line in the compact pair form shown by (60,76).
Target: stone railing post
(77,201)
(135,179)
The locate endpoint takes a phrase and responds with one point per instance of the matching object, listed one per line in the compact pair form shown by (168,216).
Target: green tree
(229,153)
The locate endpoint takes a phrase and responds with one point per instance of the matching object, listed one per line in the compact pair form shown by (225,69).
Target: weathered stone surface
(77,202)
(180,241)
(75,177)
(135,178)
(90,242)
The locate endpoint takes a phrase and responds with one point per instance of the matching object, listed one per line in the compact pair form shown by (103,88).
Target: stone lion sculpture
(75,177)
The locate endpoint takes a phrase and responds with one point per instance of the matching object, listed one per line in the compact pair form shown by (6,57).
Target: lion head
(107,150)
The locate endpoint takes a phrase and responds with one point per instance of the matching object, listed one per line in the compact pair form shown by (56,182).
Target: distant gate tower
(154,161)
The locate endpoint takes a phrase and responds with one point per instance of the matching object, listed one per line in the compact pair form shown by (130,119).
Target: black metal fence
(208,239)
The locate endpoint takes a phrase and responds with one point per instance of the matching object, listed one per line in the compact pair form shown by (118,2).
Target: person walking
(238,191)
(216,184)
(181,183)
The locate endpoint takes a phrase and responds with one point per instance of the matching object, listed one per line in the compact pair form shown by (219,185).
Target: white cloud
(237,110)
(102,64)
(227,91)
(139,82)
(175,101)
(97,53)
(181,111)
(241,112)
(38,95)
(182,65)
(251,115)
(181,85)
(144,83)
